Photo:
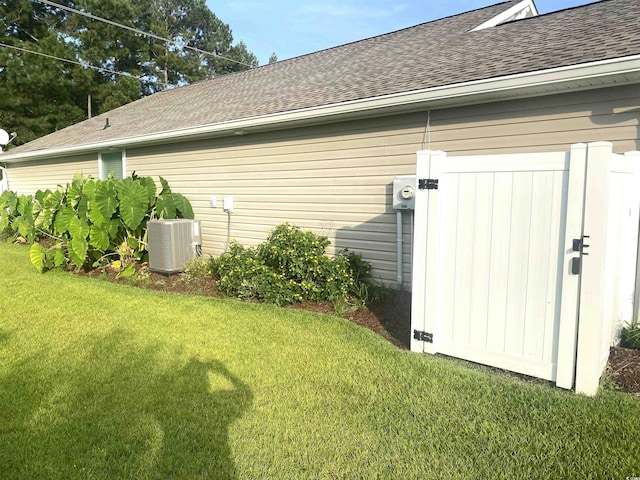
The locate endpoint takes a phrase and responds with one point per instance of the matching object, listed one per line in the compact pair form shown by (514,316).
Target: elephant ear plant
(90,222)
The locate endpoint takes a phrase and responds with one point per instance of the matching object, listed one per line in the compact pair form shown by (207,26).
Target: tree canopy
(108,66)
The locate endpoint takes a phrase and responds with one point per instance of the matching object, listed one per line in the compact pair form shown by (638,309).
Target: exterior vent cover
(172,243)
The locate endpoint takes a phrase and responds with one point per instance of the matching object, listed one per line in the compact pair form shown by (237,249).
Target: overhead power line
(142,32)
(102,69)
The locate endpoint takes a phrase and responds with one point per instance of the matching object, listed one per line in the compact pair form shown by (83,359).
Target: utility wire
(141,32)
(102,69)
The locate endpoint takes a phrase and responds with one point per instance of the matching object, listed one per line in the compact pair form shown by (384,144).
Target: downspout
(636,293)
(426,144)
(399,249)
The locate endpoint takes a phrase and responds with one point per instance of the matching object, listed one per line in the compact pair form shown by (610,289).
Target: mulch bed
(624,369)
(390,319)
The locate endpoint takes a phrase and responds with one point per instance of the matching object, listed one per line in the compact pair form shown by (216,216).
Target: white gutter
(612,70)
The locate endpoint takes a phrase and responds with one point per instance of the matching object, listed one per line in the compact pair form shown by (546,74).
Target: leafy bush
(630,335)
(90,222)
(291,266)
(16,217)
(197,267)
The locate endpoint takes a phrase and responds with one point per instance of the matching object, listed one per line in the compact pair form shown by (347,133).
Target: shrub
(291,266)
(17,221)
(90,222)
(630,335)
(198,267)
(242,274)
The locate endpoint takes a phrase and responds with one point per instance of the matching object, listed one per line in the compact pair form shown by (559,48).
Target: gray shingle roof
(437,53)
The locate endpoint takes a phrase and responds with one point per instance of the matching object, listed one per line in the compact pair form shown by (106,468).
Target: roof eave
(618,71)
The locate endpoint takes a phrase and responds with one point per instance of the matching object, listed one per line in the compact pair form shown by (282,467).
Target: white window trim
(4,183)
(124,163)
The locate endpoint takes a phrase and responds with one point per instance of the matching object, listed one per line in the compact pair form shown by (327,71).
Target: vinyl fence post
(425,258)
(593,282)
(567,335)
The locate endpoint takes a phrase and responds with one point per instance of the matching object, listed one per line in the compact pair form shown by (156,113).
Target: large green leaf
(37,256)
(99,238)
(78,251)
(16,222)
(26,228)
(165,186)
(62,220)
(56,255)
(44,220)
(114,228)
(9,200)
(123,185)
(165,207)
(126,272)
(150,185)
(106,199)
(182,205)
(95,215)
(78,180)
(25,205)
(83,207)
(89,188)
(134,203)
(38,202)
(41,195)
(74,194)
(53,200)
(78,228)
(39,220)
(38,214)
(4,221)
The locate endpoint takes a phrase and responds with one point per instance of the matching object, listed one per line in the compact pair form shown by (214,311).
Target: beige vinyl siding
(334,179)
(28,177)
(541,124)
(337,178)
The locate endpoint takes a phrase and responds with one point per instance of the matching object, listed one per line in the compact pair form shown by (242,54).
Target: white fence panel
(608,276)
(497,272)
(499,246)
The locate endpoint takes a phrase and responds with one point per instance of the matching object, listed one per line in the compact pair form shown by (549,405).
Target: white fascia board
(555,79)
(509,14)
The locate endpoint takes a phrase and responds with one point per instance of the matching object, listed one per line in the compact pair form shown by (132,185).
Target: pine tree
(39,95)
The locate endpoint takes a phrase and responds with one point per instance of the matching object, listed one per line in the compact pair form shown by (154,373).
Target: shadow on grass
(4,336)
(109,410)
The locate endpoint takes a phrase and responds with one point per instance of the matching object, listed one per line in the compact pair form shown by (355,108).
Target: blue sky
(296,27)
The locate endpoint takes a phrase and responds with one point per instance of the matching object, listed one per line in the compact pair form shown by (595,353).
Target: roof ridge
(410,27)
(304,55)
(354,42)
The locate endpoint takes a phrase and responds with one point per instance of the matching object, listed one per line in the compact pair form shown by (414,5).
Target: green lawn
(105,381)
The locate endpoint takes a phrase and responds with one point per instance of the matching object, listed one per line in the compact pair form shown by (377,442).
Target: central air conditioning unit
(172,243)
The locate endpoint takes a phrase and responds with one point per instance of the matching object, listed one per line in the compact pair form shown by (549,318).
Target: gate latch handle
(579,245)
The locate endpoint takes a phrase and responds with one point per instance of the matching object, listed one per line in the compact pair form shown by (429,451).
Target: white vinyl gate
(526,262)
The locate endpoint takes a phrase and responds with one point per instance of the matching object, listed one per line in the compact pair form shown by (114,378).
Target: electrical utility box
(404,192)
(172,243)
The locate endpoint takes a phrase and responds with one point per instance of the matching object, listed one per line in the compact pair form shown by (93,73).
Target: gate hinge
(423,336)
(428,184)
